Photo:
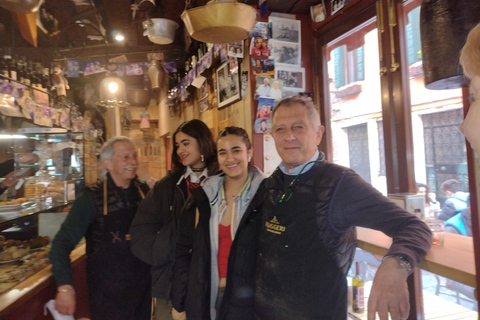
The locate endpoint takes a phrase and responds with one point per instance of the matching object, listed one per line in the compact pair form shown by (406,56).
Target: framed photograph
(286,53)
(235,49)
(286,29)
(318,12)
(293,78)
(337,5)
(228,86)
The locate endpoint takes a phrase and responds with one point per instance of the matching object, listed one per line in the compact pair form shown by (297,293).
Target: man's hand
(389,292)
(65,299)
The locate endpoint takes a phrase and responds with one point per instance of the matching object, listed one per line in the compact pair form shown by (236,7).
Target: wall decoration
(262,125)
(318,12)
(286,29)
(265,67)
(92,67)
(259,48)
(262,87)
(72,68)
(228,86)
(134,69)
(293,78)
(265,108)
(244,83)
(262,30)
(286,53)
(235,49)
(337,5)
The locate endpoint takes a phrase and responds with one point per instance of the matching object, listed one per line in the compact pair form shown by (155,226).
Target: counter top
(28,288)
(454,259)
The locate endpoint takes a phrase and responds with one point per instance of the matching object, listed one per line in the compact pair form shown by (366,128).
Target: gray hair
(307,102)
(108,149)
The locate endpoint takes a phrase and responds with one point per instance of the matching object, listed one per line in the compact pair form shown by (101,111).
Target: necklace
(197,169)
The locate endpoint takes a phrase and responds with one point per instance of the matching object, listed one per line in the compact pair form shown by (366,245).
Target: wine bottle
(21,69)
(358,301)
(12,69)
(28,73)
(3,64)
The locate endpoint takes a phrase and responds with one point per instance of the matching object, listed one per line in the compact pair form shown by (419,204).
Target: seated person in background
(456,202)
(461,223)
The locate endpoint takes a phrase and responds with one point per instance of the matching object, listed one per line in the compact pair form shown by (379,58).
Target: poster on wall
(228,86)
(271,159)
(235,49)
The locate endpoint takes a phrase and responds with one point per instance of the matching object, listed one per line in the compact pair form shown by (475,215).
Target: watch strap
(402,261)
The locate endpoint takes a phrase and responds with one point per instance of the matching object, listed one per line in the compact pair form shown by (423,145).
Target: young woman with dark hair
(153,231)
(209,224)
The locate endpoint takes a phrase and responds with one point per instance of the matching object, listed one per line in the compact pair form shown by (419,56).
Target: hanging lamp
(219,21)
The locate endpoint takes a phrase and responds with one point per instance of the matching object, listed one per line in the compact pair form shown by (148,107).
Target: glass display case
(50,170)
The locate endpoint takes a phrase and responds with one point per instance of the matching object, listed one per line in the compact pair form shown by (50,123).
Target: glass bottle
(12,69)
(28,73)
(3,64)
(21,69)
(358,300)
(7,57)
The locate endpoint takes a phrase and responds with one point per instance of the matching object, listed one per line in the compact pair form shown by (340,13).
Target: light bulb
(112,87)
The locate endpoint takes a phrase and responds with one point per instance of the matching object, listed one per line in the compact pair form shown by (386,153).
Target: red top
(224,244)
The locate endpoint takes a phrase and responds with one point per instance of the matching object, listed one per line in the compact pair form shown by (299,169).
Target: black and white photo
(293,78)
(286,29)
(228,86)
(286,53)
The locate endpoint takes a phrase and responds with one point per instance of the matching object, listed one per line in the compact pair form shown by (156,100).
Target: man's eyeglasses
(289,192)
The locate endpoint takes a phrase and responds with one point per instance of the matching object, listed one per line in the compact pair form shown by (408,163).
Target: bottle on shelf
(358,299)
(3,64)
(28,73)
(35,76)
(45,79)
(7,57)
(12,69)
(21,69)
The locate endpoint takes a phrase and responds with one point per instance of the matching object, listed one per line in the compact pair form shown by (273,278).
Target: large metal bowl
(160,31)
(139,97)
(220,22)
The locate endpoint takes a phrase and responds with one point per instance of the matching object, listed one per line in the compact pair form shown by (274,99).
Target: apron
(296,277)
(118,282)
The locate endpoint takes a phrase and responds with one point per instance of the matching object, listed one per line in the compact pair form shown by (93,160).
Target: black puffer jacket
(153,231)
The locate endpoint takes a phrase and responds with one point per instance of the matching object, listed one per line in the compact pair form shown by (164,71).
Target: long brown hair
(197,129)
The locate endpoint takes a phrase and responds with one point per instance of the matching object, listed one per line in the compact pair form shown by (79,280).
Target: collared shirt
(263,90)
(293,172)
(193,177)
(239,201)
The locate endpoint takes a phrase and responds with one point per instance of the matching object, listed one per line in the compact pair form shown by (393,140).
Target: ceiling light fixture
(219,21)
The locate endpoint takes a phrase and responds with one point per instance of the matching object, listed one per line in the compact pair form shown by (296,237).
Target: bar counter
(26,300)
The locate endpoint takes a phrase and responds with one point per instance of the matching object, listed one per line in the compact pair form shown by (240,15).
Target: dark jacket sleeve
(357,203)
(181,269)
(448,211)
(81,216)
(152,229)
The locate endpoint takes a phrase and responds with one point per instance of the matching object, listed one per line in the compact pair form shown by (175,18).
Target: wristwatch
(404,263)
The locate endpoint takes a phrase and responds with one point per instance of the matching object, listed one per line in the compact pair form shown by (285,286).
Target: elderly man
(118,282)
(307,236)
(263,90)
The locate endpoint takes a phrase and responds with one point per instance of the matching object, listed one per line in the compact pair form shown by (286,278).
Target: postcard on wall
(265,67)
(286,29)
(261,30)
(318,12)
(72,68)
(235,49)
(293,78)
(92,67)
(265,107)
(271,158)
(262,125)
(337,5)
(286,53)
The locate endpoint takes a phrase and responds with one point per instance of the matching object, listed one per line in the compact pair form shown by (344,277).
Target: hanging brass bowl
(220,22)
